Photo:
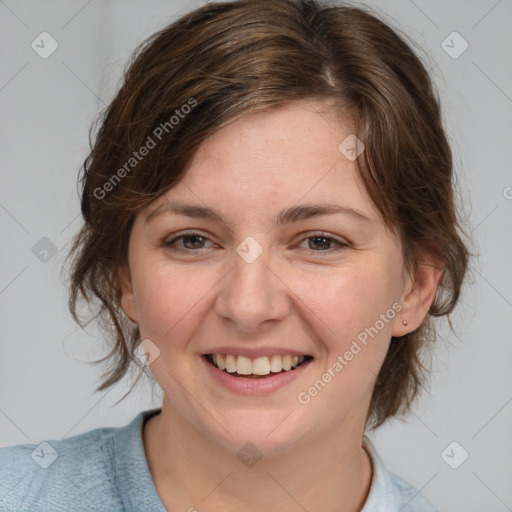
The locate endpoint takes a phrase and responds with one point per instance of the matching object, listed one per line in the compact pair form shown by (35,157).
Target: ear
(127,296)
(418,295)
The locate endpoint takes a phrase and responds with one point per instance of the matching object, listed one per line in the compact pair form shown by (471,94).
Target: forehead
(281,157)
(299,133)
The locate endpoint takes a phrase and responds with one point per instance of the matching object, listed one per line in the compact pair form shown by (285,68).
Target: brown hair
(226,59)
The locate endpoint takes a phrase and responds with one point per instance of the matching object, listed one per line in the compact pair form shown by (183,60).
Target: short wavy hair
(231,58)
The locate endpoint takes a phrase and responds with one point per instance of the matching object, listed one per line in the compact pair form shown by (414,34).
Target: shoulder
(391,492)
(54,474)
(78,473)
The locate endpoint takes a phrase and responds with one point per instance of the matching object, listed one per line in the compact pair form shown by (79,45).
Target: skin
(301,293)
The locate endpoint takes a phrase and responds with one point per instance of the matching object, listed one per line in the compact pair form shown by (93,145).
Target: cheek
(349,300)
(346,308)
(166,296)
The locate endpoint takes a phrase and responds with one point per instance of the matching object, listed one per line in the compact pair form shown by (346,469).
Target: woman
(269,221)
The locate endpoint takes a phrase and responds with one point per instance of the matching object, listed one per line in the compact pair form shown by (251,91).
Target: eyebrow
(289,215)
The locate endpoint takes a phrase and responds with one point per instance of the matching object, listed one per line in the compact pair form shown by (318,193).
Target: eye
(187,242)
(321,243)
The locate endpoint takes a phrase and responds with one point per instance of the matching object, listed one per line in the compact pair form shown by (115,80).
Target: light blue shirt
(106,470)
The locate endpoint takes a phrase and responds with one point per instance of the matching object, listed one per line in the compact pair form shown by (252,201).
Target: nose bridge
(252,294)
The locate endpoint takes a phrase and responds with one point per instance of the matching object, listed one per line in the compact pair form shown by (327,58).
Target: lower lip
(250,386)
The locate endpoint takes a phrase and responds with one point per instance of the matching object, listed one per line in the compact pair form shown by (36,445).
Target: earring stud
(404,322)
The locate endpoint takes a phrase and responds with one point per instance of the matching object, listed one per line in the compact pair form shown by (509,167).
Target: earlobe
(419,294)
(127,295)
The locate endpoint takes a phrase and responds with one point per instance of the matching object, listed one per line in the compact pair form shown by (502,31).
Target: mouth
(258,367)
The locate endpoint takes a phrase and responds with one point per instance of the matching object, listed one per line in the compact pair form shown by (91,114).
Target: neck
(329,472)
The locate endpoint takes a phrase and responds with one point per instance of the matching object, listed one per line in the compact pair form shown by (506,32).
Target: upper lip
(255,352)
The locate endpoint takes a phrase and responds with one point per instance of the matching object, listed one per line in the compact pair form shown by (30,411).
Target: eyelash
(340,244)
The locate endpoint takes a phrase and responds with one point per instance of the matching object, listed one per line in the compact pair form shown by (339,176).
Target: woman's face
(269,248)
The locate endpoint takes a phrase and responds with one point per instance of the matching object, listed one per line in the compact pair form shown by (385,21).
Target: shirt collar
(382,490)
(133,477)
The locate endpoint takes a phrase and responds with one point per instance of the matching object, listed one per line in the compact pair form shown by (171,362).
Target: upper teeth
(257,366)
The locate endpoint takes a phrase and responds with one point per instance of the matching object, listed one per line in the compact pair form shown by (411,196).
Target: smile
(243,366)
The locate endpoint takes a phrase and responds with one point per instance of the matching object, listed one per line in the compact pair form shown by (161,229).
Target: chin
(267,434)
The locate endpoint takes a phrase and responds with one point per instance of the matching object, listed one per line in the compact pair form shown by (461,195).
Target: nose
(252,296)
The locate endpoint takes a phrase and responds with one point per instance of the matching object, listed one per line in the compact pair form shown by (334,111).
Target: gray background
(47,106)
